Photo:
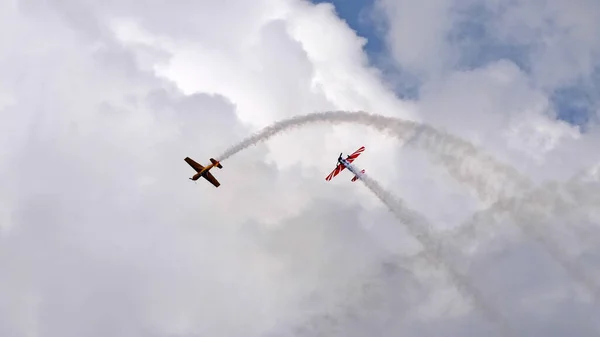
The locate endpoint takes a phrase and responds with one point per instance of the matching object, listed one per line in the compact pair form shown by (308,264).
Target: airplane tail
(212,160)
(356,177)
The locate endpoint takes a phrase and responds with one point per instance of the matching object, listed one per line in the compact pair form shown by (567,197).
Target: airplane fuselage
(203,172)
(348,165)
(207,168)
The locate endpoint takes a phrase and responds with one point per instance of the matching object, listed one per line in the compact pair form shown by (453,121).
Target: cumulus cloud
(102,233)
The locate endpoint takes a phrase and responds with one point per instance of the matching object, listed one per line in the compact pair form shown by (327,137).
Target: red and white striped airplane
(345,163)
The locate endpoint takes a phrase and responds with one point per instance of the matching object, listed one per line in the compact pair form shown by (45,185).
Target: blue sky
(358,15)
(574,103)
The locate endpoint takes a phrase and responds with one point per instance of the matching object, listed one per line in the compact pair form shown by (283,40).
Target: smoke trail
(528,212)
(464,162)
(532,213)
(511,192)
(433,252)
(490,179)
(435,142)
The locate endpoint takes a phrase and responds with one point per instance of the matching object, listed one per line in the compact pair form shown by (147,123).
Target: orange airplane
(203,171)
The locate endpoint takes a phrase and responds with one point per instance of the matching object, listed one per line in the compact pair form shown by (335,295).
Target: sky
(102,233)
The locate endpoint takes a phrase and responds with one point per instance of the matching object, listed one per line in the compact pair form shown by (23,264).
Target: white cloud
(487,102)
(105,228)
(104,235)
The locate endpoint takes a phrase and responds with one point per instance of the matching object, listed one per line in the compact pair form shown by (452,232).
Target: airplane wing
(335,172)
(193,164)
(355,154)
(208,176)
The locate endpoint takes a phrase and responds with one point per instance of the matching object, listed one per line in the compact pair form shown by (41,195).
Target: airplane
(204,171)
(343,163)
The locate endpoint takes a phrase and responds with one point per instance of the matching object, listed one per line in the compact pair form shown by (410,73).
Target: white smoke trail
(490,179)
(419,227)
(533,212)
(435,142)
(528,218)
(529,212)
(487,177)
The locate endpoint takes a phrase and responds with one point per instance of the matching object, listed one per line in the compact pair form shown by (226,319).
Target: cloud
(103,234)
(502,65)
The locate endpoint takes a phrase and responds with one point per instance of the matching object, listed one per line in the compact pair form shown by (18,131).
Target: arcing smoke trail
(415,223)
(469,166)
(464,162)
(462,159)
